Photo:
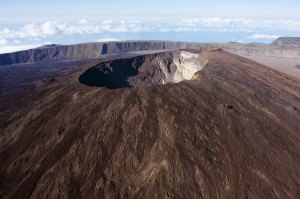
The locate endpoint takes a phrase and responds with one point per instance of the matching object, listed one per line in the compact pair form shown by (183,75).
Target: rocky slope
(232,132)
(22,77)
(94,50)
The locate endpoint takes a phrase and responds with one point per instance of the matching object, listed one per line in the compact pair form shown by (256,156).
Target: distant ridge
(279,48)
(90,50)
(287,42)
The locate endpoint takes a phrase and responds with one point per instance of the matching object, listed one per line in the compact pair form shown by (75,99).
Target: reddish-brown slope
(232,133)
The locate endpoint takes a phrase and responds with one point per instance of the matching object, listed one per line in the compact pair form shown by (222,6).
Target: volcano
(175,124)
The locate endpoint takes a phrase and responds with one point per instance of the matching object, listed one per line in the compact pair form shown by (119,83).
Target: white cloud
(27,35)
(16,41)
(83,22)
(85,27)
(20,47)
(216,22)
(49,28)
(31,30)
(292,25)
(3,41)
(107,39)
(8,49)
(239,24)
(263,36)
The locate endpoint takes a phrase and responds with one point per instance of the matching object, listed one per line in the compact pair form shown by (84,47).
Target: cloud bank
(50,28)
(263,36)
(32,34)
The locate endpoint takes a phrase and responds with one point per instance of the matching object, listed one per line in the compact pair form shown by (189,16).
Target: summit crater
(146,70)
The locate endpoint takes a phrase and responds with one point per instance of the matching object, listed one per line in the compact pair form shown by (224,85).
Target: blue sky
(288,9)
(30,23)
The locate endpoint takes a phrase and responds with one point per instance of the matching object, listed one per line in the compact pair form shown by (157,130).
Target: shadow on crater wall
(113,74)
(297,66)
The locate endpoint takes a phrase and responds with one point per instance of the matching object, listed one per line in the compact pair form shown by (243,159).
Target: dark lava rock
(66,139)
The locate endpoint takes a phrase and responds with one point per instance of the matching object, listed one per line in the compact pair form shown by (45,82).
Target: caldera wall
(95,50)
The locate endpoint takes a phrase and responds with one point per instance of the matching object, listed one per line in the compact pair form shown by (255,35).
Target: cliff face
(233,132)
(287,42)
(262,50)
(89,50)
(94,50)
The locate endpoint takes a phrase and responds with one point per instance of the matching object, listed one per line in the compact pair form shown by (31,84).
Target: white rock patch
(187,64)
